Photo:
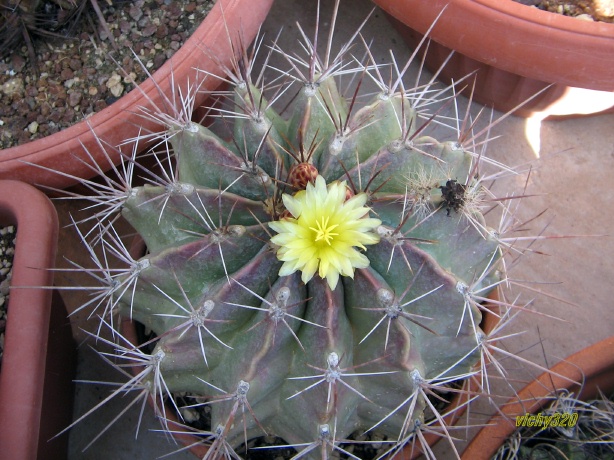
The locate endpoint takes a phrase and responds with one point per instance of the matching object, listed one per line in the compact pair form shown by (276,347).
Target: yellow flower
(323,232)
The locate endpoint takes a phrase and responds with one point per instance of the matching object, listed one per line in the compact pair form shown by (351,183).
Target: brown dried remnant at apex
(301,174)
(453,195)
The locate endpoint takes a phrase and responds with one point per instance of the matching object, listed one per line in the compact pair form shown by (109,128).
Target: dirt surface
(591,10)
(7,250)
(78,76)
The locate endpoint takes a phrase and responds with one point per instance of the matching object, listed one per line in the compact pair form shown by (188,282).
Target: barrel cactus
(312,272)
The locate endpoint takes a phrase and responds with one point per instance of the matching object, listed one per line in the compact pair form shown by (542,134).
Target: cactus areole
(313,274)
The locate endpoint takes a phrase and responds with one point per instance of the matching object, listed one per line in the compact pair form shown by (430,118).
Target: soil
(7,250)
(80,74)
(591,10)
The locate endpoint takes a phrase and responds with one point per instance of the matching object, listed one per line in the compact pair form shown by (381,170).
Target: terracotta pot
(517,50)
(39,354)
(456,408)
(594,366)
(228,20)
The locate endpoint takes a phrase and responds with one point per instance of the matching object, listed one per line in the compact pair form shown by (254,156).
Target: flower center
(324,231)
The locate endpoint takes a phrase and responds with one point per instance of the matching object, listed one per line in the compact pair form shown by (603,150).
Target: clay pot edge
(595,362)
(517,30)
(23,368)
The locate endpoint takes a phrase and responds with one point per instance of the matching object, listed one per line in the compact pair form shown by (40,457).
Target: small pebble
(135,12)
(114,80)
(70,82)
(124,27)
(585,17)
(149,30)
(13,87)
(604,9)
(161,31)
(117,90)
(17,62)
(74,99)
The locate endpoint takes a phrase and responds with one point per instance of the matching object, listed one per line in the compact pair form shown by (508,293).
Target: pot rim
(23,365)
(517,38)
(589,367)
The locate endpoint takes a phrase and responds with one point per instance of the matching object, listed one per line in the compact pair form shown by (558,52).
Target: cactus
(310,273)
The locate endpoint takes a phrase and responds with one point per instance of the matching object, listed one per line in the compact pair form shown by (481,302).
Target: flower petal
(326,232)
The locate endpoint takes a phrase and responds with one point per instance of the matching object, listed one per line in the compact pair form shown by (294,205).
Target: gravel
(590,10)
(76,75)
(7,250)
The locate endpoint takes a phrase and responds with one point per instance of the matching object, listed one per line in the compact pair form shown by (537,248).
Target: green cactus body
(281,342)
(295,357)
